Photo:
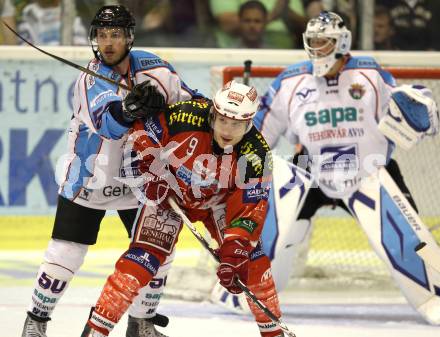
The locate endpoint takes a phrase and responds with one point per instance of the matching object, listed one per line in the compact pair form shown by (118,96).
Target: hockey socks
(52,281)
(134,270)
(265,291)
(116,296)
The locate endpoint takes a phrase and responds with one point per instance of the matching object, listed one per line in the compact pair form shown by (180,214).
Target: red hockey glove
(234,262)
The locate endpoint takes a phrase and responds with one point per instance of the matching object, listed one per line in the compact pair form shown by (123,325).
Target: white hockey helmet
(237,101)
(330,28)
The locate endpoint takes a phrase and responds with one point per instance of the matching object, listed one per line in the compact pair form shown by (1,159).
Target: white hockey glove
(412,115)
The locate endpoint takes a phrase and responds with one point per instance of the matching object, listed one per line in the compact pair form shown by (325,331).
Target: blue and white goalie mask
(326,40)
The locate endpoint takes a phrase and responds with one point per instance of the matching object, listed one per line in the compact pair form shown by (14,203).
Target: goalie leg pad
(394,229)
(283,238)
(292,245)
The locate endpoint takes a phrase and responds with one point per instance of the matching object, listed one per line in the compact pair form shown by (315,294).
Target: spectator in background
(172,23)
(284,16)
(347,9)
(416,23)
(313,8)
(252,23)
(7,11)
(383,29)
(86,9)
(41,24)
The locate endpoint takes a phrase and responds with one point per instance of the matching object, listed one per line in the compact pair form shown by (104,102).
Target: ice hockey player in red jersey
(214,163)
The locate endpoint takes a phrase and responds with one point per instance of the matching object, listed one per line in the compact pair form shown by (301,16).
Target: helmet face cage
(330,28)
(112,17)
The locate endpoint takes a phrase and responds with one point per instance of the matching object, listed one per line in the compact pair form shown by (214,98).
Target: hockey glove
(143,101)
(234,262)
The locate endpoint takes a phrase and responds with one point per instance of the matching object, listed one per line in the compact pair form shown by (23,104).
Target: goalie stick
(240,284)
(429,254)
(69,63)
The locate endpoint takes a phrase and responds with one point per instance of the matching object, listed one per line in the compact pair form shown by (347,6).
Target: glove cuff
(116,110)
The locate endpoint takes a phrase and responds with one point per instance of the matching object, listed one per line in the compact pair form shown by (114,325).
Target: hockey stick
(247,71)
(429,254)
(74,65)
(240,284)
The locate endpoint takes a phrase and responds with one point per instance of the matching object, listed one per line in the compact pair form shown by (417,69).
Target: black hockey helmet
(112,16)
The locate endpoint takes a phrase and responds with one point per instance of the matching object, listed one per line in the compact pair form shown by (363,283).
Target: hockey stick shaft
(247,71)
(240,284)
(69,63)
(429,254)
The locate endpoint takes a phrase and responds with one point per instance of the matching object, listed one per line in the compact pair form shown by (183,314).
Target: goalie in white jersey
(348,115)
(103,113)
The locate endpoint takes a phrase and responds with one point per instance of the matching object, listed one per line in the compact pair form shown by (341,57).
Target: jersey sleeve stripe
(376,93)
(146,73)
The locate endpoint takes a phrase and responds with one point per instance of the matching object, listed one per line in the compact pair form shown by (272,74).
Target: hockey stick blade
(429,254)
(240,284)
(62,60)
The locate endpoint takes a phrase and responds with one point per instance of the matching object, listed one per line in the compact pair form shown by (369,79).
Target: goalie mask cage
(339,256)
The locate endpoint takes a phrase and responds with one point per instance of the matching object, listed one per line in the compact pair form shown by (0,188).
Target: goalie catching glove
(234,262)
(142,102)
(412,115)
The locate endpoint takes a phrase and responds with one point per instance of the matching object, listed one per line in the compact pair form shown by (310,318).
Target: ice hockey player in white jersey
(348,115)
(102,114)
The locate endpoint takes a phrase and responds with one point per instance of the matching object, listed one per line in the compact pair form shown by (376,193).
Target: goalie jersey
(335,119)
(95,138)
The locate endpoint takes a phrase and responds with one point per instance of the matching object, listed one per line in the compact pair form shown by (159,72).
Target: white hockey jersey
(96,139)
(334,119)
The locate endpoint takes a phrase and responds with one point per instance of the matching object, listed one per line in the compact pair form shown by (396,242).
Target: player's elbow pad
(412,115)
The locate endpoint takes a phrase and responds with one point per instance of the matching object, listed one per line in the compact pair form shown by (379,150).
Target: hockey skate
(89,332)
(144,327)
(34,326)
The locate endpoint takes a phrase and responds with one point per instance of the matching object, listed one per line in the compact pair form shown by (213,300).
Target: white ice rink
(194,319)
(346,314)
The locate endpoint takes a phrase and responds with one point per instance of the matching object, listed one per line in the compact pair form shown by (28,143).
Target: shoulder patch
(297,69)
(149,62)
(187,116)
(257,153)
(143,60)
(292,71)
(362,62)
(367,62)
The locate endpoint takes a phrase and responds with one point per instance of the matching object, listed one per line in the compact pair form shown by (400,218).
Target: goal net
(339,252)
